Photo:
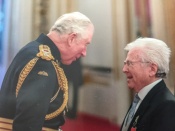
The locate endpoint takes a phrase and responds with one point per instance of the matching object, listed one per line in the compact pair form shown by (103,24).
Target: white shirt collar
(144,91)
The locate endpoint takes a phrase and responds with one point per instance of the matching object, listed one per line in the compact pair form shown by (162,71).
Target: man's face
(137,71)
(77,48)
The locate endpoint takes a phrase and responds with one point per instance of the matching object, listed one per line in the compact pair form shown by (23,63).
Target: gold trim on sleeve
(6,125)
(48,129)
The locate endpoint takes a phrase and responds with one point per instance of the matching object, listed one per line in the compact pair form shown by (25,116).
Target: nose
(84,53)
(125,68)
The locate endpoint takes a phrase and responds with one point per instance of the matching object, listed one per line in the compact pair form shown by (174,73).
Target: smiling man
(146,65)
(34,93)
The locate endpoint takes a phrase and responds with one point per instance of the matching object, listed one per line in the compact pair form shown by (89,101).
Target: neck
(59,40)
(153,80)
(54,37)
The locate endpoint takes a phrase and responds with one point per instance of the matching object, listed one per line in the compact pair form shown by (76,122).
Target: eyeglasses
(129,63)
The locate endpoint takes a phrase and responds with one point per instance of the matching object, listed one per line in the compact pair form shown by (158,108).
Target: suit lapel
(146,103)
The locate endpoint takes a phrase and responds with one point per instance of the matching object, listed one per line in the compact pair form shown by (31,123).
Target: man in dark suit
(34,92)
(146,64)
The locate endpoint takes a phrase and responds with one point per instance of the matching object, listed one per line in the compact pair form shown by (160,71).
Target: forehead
(91,31)
(89,35)
(134,54)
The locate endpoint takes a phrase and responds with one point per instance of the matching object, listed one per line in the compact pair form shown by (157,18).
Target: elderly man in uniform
(34,93)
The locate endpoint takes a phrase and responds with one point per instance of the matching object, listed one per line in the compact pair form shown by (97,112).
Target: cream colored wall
(158,20)
(163,28)
(19,27)
(24,23)
(109,18)
(114,28)
(120,39)
(100,51)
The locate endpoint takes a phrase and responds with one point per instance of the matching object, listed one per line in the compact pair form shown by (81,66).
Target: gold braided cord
(24,73)
(45,53)
(62,81)
(54,97)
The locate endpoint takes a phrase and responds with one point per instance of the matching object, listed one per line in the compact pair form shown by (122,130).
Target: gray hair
(74,22)
(153,51)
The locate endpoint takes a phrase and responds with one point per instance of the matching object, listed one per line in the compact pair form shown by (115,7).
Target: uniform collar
(45,40)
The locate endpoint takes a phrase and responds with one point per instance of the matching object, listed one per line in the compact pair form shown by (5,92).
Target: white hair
(74,22)
(153,51)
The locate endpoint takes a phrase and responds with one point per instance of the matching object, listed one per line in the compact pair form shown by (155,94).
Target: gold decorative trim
(48,129)
(56,94)
(6,124)
(62,81)
(45,53)
(26,70)
(5,120)
(43,73)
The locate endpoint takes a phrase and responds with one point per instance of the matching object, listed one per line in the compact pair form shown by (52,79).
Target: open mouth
(129,78)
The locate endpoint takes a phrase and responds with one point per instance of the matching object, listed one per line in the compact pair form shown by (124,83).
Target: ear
(71,38)
(154,69)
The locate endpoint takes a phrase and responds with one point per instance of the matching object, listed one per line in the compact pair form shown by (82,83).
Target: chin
(130,87)
(67,62)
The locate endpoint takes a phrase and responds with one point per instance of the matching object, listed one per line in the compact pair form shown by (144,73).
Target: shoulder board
(45,53)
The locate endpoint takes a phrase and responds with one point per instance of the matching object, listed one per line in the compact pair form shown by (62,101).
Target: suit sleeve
(164,117)
(34,97)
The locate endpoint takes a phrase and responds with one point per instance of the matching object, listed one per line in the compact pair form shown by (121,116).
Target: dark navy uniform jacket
(29,108)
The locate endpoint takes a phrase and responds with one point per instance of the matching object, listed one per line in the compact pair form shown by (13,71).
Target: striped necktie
(132,110)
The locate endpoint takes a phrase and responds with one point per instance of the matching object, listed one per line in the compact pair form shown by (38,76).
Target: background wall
(100,52)
(117,22)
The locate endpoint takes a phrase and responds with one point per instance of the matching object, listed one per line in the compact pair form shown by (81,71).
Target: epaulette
(45,53)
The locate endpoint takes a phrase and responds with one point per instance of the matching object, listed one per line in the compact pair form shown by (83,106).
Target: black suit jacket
(29,108)
(156,112)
